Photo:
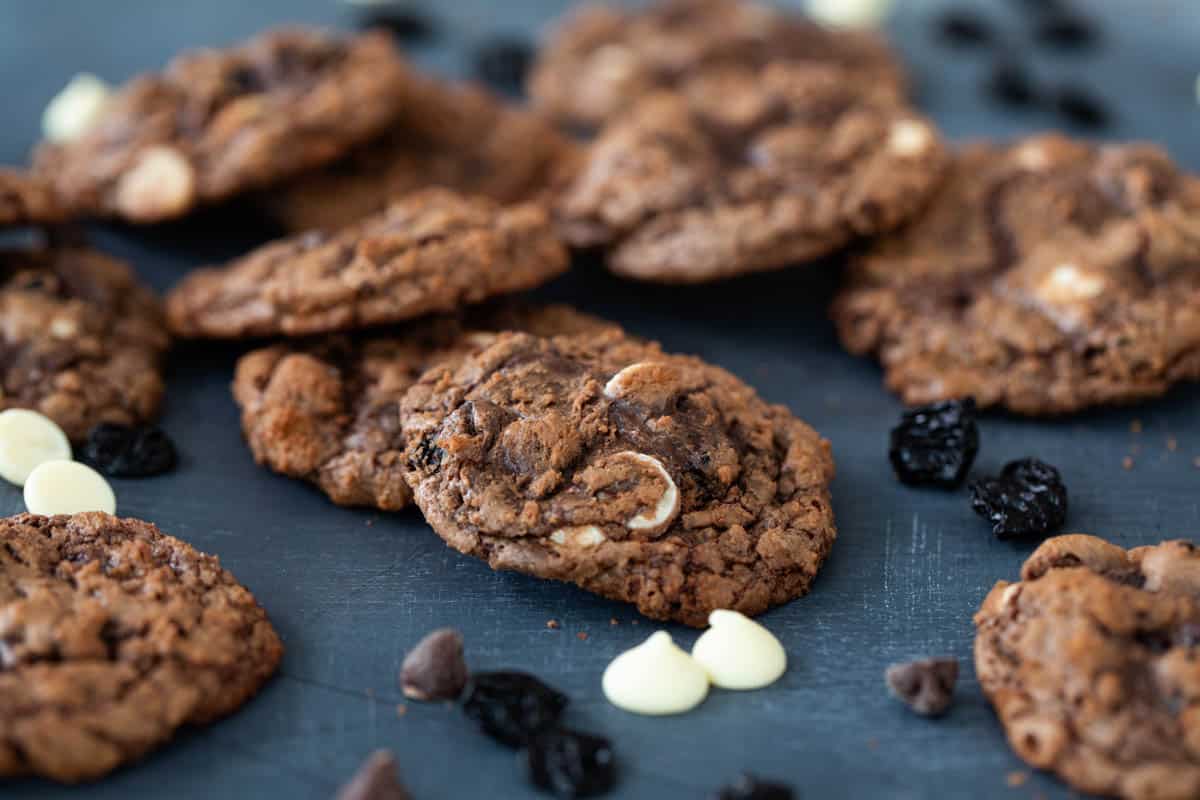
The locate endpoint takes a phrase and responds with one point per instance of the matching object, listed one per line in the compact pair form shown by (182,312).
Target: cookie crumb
(614,621)
(1135,426)
(1172,444)
(401,709)
(581,636)
(435,669)
(872,743)
(1016,778)
(1127,463)
(553,624)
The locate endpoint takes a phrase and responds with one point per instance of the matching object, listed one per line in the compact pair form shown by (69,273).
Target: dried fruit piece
(409,25)
(1081,107)
(571,764)
(503,63)
(512,707)
(435,669)
(376,779)
(1028,498)
(926,686)
(962,28)
(129,451)
(935,445)
(1010,84)
(1065,30)
(749,787)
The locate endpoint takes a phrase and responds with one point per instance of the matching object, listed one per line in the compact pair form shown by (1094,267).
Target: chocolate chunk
(926,686)
(376,779)
(435,669)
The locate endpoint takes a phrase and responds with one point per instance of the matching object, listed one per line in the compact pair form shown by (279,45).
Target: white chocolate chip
(613,62)
(1032,157)
(909,138)
(668,504)
(655,678)
(75,109)
(1067,283)
(63,328)
(852,14)
(620,384)
(1009,597)
(159,186)
(579,536)
(738,653)
(67,487)
(28,439)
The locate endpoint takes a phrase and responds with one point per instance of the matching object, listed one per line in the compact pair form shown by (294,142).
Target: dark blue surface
(350,591)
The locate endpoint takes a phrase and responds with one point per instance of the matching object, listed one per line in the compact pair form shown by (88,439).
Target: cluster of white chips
(658,678)
(36,454)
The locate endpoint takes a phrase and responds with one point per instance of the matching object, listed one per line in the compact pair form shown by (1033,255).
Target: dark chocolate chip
(435,669)
(926,686)
(376,779)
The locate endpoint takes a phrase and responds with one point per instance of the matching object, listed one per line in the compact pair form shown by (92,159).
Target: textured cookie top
(601,59)
(81,340)
(26,199)
(112,636)
(329,411)
(1047,276)
(218,122)
(430,251)
(1092,662)
(746,170)
(651,478)
(457,136)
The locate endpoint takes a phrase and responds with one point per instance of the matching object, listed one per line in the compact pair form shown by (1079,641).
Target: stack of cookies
(720,138)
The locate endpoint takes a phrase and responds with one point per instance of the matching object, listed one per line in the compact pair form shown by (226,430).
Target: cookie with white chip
(1092,662)
(646,477)
(216,123)
(1047,276)
(114,635)
(82,340)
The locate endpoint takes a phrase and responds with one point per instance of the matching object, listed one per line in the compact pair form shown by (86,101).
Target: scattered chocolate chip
(129,451)
(376,779)
(408,24)
(748,787)
(935,445)
(1027,499)
(964,29)
(1081,108)
(1010,84)
(503,62)
(1065,30)
(571,764)
(435,669)
(512,707)
(926,686)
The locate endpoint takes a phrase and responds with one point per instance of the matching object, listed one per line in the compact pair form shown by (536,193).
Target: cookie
(216,123)
(601,59)
(328,411)
(82,340)
(1092,662)
(743,170)
(430,251)
(457,136)
(25,199)
(645,477)
(1048,276)
(114,635)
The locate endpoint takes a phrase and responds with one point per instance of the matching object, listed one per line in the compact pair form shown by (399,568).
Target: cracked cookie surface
(601,59)
(112,636)
(82,342)
(457,136)
(216,123)
(1047,276)
(431,251)
(645,477)
(743,170)
(328,411)
(1092,662)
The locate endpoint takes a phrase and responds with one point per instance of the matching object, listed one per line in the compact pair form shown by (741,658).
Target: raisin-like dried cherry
(749,787)
(503,63)
(1081,107)
(962,28)
(1010,84)
(571,764)
(408,25)
(1027,499)
(129,451)
(512,707)
(1066,31)
(935,445)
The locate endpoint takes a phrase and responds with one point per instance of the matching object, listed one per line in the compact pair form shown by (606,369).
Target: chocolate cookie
(744,170)
(602,59)
(26,199)
(112,636)
(82,341)
(430,251)
(645,477)
(457,136)
(329,411)
(216,123)
(1047,276)
(1092,662)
